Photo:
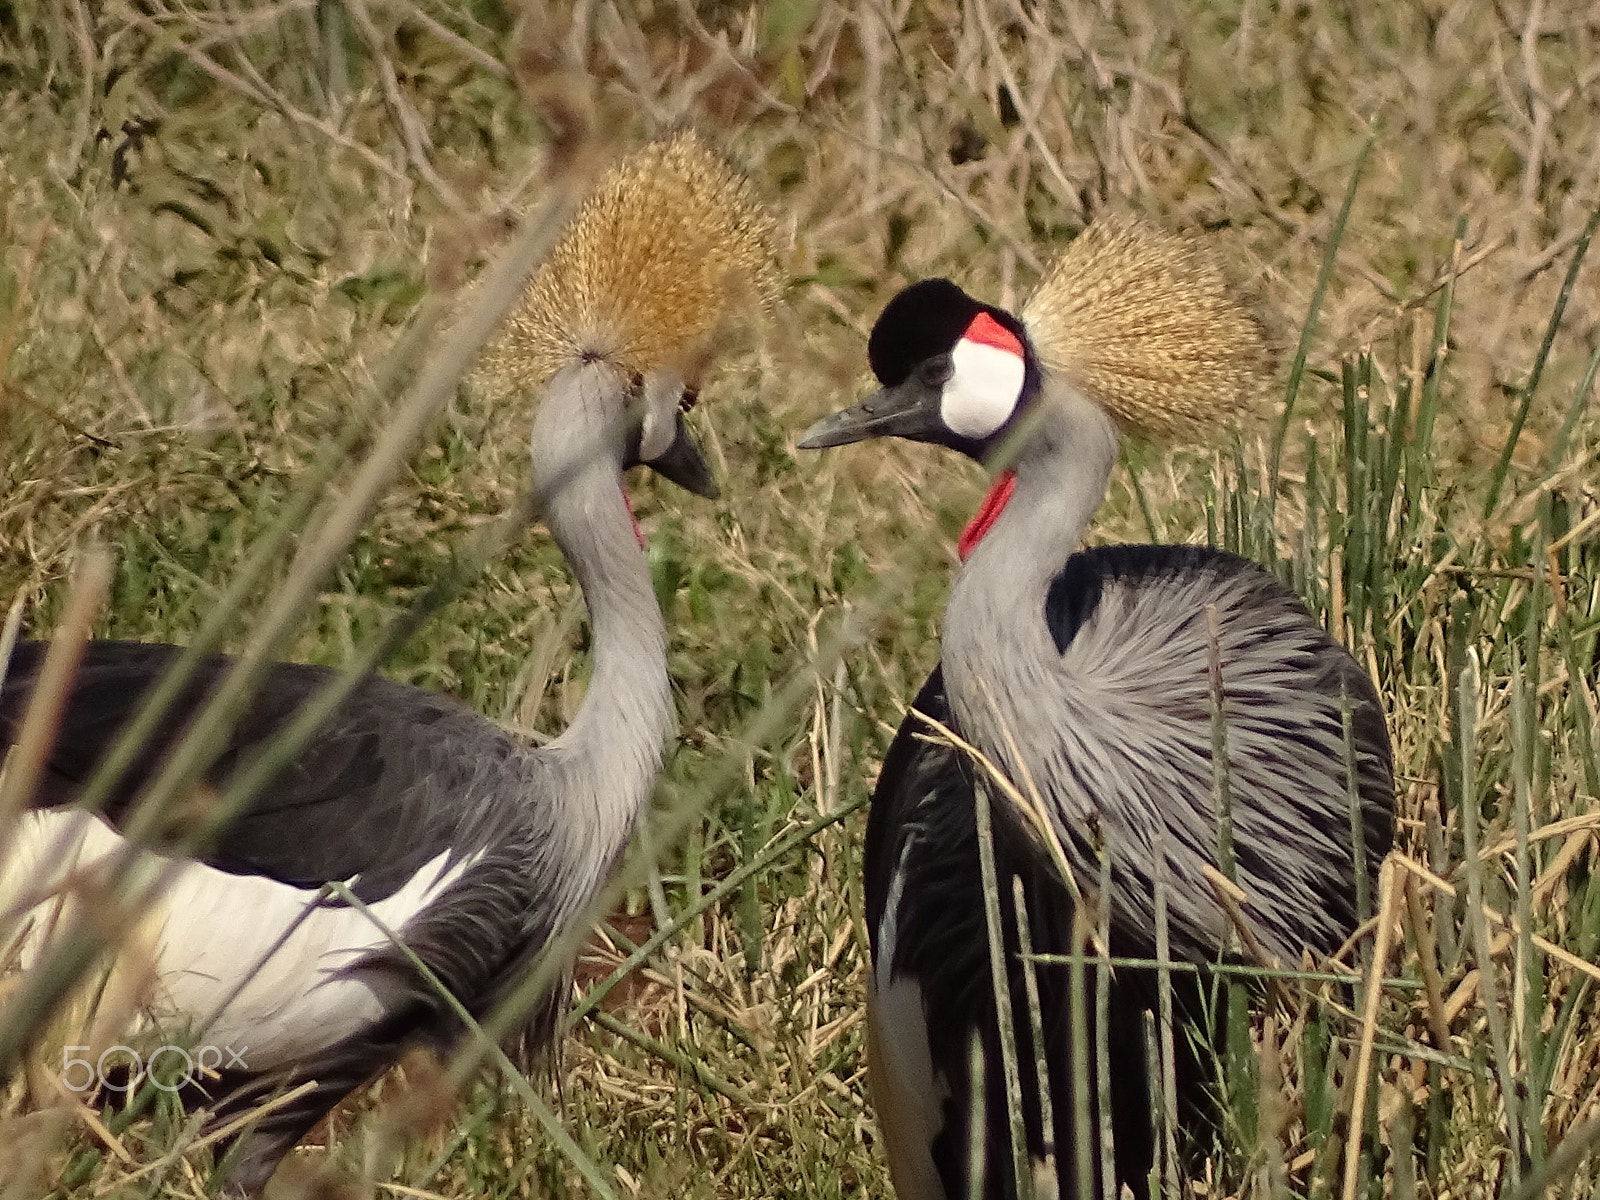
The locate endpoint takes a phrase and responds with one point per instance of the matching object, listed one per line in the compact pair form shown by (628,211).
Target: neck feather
(605,763)
(995,619)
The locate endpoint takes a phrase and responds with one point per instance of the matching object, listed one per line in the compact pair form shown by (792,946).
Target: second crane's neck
(605,763)
(995,628)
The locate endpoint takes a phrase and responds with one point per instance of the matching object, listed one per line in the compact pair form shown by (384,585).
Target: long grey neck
(994,629)
(607,760)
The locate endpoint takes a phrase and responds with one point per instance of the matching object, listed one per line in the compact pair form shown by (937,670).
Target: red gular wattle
(988,513)
(637,532)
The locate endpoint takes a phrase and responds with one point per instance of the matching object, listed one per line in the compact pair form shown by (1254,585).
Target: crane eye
(936,372)
(687,401)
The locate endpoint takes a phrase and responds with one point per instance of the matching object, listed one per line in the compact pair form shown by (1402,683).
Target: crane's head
(954,372)
(668,256)
(1141,322)
(596,415)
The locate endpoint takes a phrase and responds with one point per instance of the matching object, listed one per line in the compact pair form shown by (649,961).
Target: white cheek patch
(984,387)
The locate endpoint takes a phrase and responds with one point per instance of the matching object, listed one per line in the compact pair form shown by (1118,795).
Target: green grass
(213,239)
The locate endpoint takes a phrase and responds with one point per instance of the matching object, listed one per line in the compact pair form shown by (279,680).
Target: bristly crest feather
(670,249)
(1146,324)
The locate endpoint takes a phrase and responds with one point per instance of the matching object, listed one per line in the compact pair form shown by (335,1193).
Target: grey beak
(908,410)
(683,463)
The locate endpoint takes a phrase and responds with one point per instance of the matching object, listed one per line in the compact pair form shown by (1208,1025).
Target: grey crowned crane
(1082,676)
(475,845)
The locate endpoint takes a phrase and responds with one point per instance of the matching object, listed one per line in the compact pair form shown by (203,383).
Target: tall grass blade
(1433,379)
(1528,1000)
(1497,475)
(1080,1042)
(1318,1092)
(1361,1097)
(1402,1146)
(1102,1028)
(1564,1161)
(1308,327)
(977,1120)
(1221,789)
(1000,990)
(1580,401)
(1041,1061)
(1352,800)
(1152,1067)
(1465,701)
(1308,581)
(1168,1144)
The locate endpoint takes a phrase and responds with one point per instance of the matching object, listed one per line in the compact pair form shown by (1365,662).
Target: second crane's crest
(671,248)
(1146,323)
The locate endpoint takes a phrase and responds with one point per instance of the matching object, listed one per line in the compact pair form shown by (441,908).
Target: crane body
(1083,677)
(472,845)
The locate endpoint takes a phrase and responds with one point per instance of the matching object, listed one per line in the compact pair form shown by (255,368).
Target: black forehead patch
(925,319)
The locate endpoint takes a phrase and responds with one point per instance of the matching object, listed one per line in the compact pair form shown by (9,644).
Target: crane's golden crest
(1146,323)
(670,249)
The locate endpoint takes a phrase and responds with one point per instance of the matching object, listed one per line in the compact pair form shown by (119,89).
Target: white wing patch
(258,955)
(905,1092)
(984,387)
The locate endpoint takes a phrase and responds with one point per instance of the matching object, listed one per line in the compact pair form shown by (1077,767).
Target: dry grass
(216,224)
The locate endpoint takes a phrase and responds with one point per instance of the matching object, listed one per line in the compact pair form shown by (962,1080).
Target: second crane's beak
(908,410)
(683,463)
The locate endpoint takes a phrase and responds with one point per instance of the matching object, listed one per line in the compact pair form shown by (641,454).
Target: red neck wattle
(988,513)
(637,532)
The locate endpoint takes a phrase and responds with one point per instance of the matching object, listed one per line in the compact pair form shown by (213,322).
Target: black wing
(921,827)
(922,856)
(391,780)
